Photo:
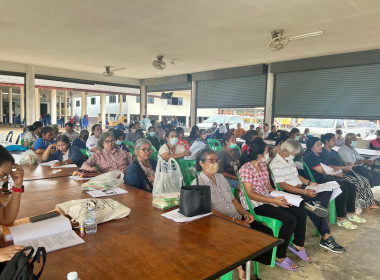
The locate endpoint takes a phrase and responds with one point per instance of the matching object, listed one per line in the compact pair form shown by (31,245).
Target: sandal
(287,263)
(301,254)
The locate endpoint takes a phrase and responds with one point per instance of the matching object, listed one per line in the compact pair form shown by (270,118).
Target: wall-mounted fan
(110,71)
(159,63)
(279,41)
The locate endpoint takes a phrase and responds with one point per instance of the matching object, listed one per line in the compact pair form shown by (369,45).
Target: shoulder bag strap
(40,251)
(142,173)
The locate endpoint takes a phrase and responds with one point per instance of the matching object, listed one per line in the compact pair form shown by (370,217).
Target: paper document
(292,199)
(50,163)
(299,165)
(373,158)
(327,187)
(77,178)
(330,171)
(179,218)
(108,192)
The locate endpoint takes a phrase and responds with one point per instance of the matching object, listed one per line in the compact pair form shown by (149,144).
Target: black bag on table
(194,200)
(20,267)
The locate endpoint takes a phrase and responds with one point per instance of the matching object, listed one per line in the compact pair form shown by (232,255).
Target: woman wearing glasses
(140,174)
(108,158)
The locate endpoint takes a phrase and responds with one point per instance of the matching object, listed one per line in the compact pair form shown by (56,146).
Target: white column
(30,96)
(268,104)
(143,101)
(193,106)
(71,106)
(128,110)
(103,109)
(10,100)
(121,104)
(22,105)
(37,105)
(83,104)
(60,106)
(65,105)
(1,107)
(53,106)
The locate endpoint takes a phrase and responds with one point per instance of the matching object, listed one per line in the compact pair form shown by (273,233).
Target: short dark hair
(69,124)
(202,157)
(131,125)
(294,130)
(94,127)
(83,132)
(249,135)
(327,137)
(118,133)
(5,156)
(226,137)
(179,130)
(273,126)
(151,127)
(168,132)
(63,138)
(339,131)
(45,130)
(256,148)
(35,126)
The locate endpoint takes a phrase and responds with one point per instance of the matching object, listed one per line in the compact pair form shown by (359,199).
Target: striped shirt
(118,159)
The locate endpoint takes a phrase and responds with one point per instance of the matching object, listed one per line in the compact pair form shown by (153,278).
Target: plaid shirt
(259,181)
(106,161)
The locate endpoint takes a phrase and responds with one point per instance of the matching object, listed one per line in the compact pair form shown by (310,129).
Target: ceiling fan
(279,41)
(159,63)
(110,71)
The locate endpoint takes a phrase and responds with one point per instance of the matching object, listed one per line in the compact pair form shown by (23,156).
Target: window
(124,98)
(137,99)
(112,99)
(150,100)
(175,101)
(93,101)
(78,103)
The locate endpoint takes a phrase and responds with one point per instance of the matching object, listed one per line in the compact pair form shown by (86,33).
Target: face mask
(354,144)
(233,146)
(119,142)
(133,130)
(212,168)
(152,134)
(85,137)
(173,141)
(291,157)
(266,158)
(308,134)
(297,138)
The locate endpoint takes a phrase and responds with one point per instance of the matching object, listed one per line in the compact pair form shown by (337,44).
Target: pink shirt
(106,161)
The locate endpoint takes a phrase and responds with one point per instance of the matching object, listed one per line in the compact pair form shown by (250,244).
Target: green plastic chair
(129,144)
(238,148)
(273,224)
(85,153)
(31,144)
(154,156)
(154,148)
(22,142)
(185,166)
(214,144)
(332,207)
(132,151)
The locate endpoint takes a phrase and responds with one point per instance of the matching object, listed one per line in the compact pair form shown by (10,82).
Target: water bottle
(72,276)
(90,225)
(359,204)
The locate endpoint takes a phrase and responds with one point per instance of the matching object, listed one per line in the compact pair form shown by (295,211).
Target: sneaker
(316,208)
(355,218)
(330,244)
(346,224)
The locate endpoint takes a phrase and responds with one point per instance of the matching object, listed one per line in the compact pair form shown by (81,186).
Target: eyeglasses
(146,150)
(109,141)
(212,160)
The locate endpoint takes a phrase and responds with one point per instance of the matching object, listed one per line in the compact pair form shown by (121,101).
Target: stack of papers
(107,192)
(293,199)
(330,171)
(50,163)
(327,187)
(179,218)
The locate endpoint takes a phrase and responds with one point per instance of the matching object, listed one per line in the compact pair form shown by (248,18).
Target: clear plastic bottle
(90,224)
(72,276)
(359,204)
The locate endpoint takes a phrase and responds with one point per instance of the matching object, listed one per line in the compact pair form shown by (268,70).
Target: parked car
(232,120)
(321,126)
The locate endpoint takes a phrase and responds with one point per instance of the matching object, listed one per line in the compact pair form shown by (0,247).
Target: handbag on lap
(195,200)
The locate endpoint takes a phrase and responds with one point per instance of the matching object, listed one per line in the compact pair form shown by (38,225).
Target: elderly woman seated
(140,173)
(108,158)
(65,153)
(172,149)
(222,199)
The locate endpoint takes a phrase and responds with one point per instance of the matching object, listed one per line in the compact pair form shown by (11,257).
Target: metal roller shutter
(170,87)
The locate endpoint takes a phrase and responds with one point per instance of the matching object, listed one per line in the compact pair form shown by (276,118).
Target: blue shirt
(74,154)
(312,161)
(133,177)
(79,143)
(42,144)
(331,158)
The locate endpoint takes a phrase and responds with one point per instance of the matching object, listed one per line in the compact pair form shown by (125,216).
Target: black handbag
(195,200)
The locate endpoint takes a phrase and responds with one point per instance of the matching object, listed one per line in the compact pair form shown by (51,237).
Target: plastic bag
(359,205)
(167,184)
(108,180)
(28,157)
(195,149)
(106,210)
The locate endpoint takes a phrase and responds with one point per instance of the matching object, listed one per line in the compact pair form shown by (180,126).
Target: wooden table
(144,245)
(39,172)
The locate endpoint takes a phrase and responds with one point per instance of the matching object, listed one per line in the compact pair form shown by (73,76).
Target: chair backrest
(238,148)
(129,144)
(9,136)
(18,138)
(154,155)
(234,192)
(132,151)
(154,148)
(187,169)
(308,171)
(277,184)
(248,200)
(85,153)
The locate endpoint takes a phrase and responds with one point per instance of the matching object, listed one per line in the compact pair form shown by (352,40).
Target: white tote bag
(168,179)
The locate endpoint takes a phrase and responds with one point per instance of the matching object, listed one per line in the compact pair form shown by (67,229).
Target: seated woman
(8,213)
(181,138)
(64,153)
(80,142)
(339,140)
(140,173)
(229,159)
(249,137)
(255,178)
(198,145)
(171,149)
(108,158)
(345,202)
(45,140)
(120,137)
(223,201)
(375,143)
(92,141)
(331,158)
(33,133)
(194,134)
(152,137)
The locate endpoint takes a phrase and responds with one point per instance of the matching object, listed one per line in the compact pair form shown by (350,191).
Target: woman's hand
(310,193)
(187,153)
(58,163)
(93,169)
(17,175)
(339,175)
(313,184)
(281,201)
(248,217)
(7,253)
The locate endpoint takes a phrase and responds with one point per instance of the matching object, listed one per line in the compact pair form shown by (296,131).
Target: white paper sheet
(330,171)
(108,192)
(292,199)
(179,218)
(329,186)
(373,158)
(299,165)
(77,178)
(50,163)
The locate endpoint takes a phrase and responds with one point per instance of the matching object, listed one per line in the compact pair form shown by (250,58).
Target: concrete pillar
(30,96)
(121,104)
(60,106)
(1,107)
(143,101)
(22,105)
(83,104)
(10,100)
(269,101)
(128,110)
(193,105)
(71,105)
(103,109)
(53,106)
(65,105)
(37,104)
